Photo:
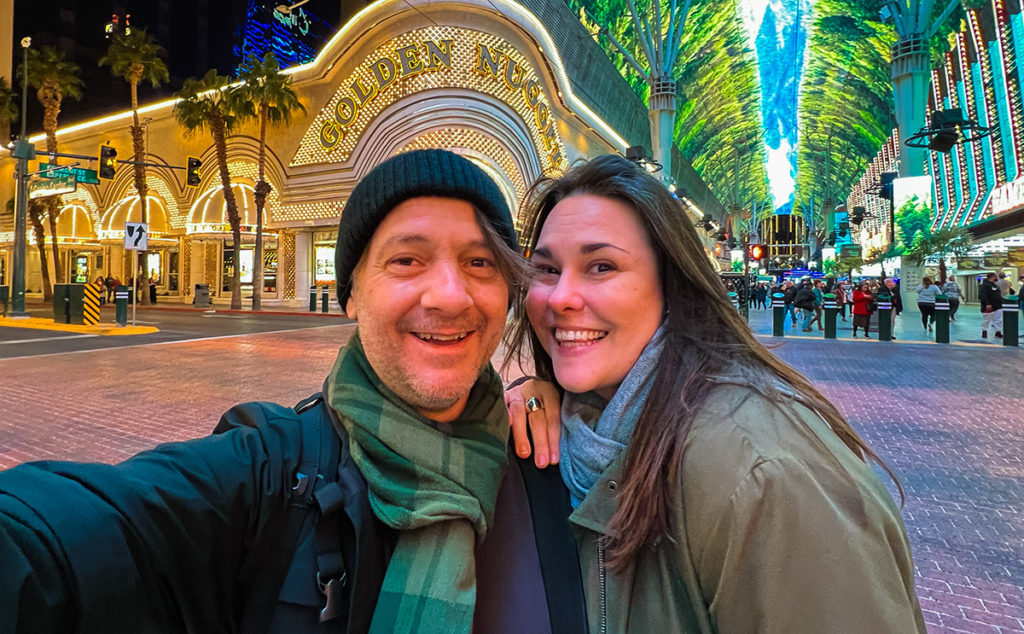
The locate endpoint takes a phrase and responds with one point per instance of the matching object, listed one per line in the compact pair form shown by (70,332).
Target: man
(991,301)
(896,300)
(804,300)
(789,294)
(196,536)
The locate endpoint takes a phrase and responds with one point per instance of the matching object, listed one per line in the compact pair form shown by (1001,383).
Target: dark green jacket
(779,528)
(175,539)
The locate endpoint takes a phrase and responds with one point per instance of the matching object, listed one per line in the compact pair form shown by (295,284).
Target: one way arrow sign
(136,236)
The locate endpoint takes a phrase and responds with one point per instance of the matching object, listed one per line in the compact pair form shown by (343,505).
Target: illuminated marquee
(426,59)
(1008,196)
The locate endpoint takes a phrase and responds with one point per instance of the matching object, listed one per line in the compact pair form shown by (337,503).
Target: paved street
(948,419)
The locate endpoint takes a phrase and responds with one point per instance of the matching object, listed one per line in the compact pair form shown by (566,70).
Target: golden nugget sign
(435,55)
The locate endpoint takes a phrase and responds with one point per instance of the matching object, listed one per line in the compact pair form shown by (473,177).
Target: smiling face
(430,303)
(595,299)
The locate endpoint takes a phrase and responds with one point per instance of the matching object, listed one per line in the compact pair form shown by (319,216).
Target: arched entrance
(214,256)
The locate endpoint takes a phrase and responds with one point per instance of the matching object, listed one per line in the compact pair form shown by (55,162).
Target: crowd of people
(804,300)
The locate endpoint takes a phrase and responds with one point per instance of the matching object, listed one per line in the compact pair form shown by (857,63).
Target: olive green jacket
(781,528)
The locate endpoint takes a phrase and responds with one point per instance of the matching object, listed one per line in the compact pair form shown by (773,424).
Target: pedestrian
(991,301)
(407,452)
(1003,284)
(842,299)
(709,486)
(926,293)
(863,307)
(762,296)
(954,294)
(153,280)
(804,301)
(895,302)
(111,284)
(789,293)
(819,304)
(98,283)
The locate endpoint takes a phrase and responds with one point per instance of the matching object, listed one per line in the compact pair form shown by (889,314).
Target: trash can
(201,296)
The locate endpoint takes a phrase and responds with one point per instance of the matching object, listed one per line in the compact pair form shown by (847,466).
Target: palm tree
(950,241)
(268,95)
(208,104)
(55,79)
(135,57)
(35,212)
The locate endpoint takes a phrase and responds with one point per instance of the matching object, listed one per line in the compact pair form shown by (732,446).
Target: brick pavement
(948,419)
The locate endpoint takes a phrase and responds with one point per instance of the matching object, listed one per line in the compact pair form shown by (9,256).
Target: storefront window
(153,269)
(81,269)
(269,270)
(228,270)
(172,270)
(324,264)
(246,265)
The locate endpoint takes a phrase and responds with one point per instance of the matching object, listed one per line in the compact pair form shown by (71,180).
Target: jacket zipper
(604,605)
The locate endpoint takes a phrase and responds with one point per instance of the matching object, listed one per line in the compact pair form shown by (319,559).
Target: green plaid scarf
(436,483)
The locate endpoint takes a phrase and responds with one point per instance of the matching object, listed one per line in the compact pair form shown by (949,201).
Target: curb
(37,323)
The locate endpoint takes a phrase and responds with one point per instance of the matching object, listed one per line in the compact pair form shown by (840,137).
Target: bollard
(325,298)
(312,298)
(831,310)
(1010,318)
(91,305)
(121,305)
(884,317)
(734,298)
(778,315)
(941,319)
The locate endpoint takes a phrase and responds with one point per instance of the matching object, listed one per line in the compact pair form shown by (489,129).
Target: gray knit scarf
(594,433)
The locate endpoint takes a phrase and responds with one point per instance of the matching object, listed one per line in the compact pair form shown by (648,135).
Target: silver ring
(533,404)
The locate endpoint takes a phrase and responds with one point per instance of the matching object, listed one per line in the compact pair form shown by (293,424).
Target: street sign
(83,175)
(136,236)
(51,187)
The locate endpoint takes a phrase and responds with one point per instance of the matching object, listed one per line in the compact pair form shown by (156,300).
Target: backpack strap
(320,453)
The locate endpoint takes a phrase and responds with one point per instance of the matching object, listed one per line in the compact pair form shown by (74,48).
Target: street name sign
(136,236)
(43,188)
(83,175)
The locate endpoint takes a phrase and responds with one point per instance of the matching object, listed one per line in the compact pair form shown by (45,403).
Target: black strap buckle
(332,592)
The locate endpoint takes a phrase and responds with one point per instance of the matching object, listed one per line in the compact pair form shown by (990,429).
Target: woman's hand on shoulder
(542,416)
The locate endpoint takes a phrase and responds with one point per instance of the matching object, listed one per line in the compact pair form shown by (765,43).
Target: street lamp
(286,9)
(23,151)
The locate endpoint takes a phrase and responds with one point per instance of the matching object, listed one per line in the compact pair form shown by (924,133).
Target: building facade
(520,90)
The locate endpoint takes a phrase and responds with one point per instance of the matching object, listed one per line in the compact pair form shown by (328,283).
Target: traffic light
(192,175)
(885,185)
(755,251)
(108,162)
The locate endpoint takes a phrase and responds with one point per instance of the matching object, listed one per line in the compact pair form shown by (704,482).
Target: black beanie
(408,175)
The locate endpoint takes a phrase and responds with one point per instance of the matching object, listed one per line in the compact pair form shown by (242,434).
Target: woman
(862,300)
(713,487)
(841,298)
(926,292)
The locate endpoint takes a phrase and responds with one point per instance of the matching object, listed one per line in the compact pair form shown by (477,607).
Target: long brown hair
(704,338)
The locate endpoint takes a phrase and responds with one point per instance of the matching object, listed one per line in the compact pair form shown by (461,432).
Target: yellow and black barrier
(91,305)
